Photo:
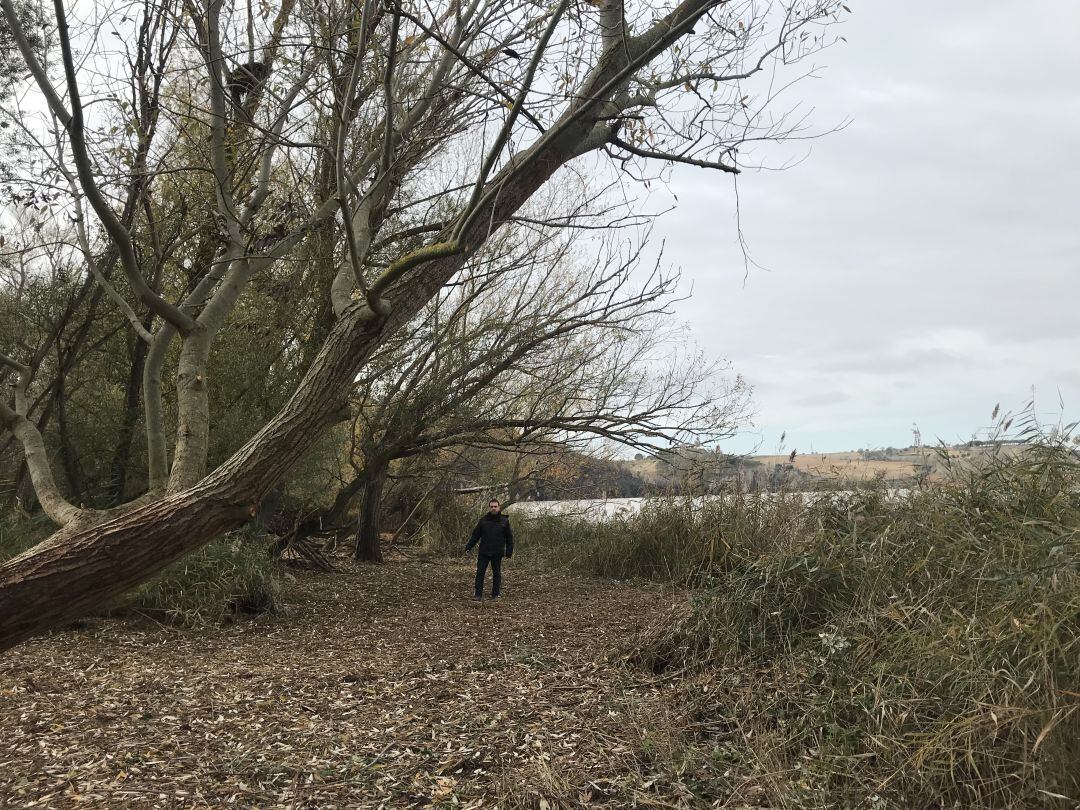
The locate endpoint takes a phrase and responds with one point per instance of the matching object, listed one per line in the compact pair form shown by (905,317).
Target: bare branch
(388,93)
(689,161)
(73,123)
(508,125)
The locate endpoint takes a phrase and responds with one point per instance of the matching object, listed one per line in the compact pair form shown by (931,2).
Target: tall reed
(872,650)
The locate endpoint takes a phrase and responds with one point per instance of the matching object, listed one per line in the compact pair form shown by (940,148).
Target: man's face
(493,507)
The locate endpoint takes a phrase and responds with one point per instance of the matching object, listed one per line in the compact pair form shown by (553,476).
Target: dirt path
(380,686)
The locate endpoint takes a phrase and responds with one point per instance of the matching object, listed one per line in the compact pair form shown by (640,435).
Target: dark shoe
(477,598)
(495,596)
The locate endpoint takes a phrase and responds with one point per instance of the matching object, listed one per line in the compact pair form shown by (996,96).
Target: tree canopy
(344,161)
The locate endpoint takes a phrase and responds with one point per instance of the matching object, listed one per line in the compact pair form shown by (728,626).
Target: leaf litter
(378,686)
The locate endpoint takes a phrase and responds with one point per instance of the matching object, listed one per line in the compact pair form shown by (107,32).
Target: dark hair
(494,500)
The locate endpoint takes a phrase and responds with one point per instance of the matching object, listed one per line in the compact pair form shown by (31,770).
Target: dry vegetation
(855,651)
(863,650)
(893,465)
(849,466)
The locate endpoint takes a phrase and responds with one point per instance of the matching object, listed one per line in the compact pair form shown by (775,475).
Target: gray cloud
(828,398)
(924,262)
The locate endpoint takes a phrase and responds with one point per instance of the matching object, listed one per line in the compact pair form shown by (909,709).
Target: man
(496,540)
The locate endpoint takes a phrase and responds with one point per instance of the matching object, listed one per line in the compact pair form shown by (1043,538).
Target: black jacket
(494,536)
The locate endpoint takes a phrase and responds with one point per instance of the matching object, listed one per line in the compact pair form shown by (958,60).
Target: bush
(873,651)
(18,532)
(447,525)
(229,576)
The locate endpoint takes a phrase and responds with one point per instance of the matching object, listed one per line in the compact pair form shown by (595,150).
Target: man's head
(494,506)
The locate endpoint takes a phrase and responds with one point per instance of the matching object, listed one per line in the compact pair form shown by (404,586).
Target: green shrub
(231,575)
(447,524)
(18,532)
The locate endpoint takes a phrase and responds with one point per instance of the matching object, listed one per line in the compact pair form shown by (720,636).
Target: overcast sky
(923,264)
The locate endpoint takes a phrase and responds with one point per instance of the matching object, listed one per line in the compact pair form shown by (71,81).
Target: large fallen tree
(421,131)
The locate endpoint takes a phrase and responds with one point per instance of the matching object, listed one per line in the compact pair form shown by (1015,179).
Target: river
(603,508)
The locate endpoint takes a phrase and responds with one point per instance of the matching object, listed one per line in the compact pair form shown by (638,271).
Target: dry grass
(232,575)
(871,652)
(844,466)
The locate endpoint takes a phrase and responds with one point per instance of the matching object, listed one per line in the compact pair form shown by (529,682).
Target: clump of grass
(230,576)
(538,786)
(447,525)
(867,650)
(680,540)
(19,531)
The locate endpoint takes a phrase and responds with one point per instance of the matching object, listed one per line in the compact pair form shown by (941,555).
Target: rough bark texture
(368,546)
(193,412)
(132,401)
(157,456)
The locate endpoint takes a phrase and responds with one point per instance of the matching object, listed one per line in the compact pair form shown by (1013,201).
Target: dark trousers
(482,561)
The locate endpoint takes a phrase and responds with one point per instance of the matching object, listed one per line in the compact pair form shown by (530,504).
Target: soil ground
(378,686)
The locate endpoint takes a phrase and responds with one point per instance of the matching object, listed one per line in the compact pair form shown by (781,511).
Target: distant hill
(854,465)
(701,469)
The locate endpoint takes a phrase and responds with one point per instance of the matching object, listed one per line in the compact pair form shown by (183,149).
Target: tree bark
(132,401)
(368,545)
(157,454)
(69,457)
(193,412)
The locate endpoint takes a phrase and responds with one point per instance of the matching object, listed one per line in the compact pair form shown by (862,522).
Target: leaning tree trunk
(368,545)
(82,566)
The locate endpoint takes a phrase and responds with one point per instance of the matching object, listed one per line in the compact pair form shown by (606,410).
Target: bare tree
(429,127)
(536,350)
